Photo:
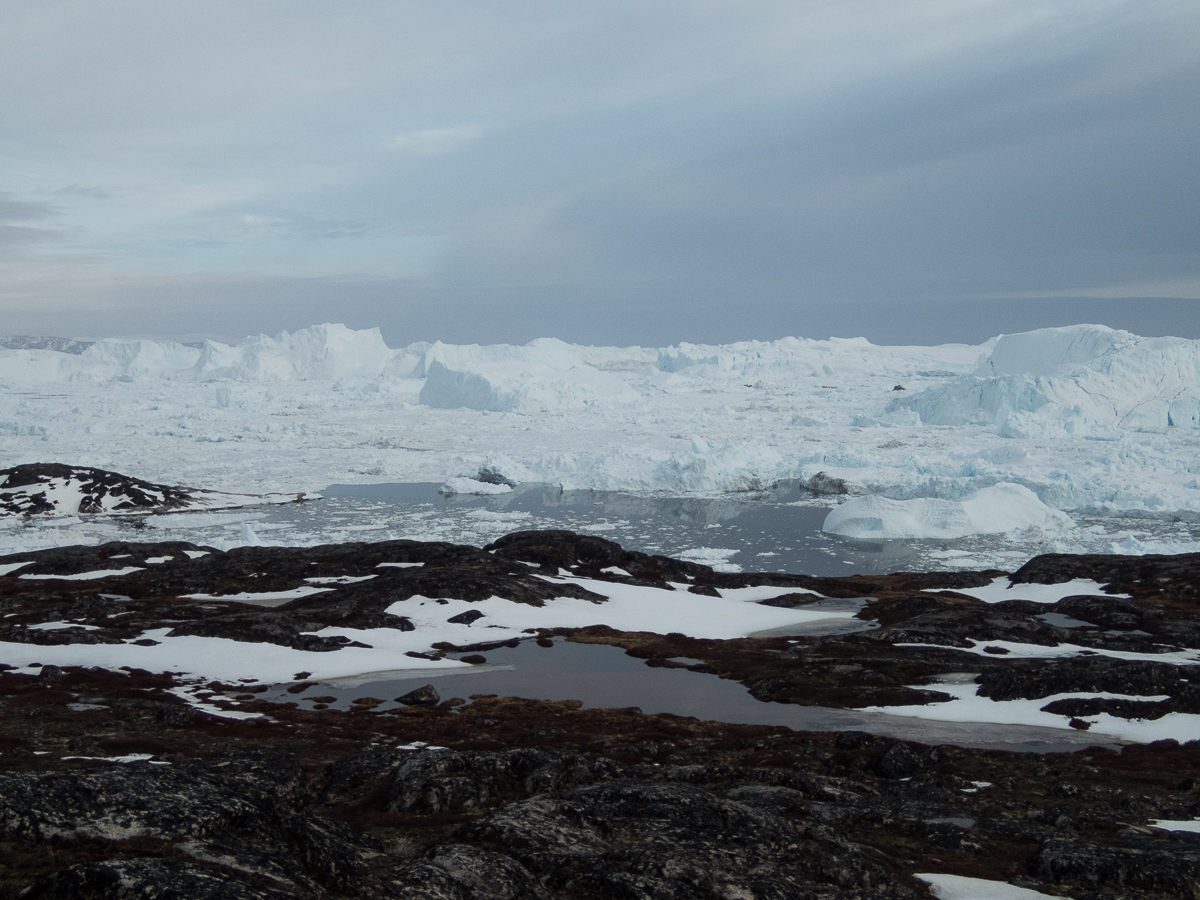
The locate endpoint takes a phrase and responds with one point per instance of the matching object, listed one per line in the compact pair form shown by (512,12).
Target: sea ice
(1090,420)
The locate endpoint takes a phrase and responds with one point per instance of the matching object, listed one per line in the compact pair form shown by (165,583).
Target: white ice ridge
(1083,417)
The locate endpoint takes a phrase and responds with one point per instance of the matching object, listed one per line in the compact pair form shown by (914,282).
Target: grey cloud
(83,190)
(621,168)
(14,210)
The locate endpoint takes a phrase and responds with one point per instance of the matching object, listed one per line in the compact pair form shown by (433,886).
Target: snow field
(967,706)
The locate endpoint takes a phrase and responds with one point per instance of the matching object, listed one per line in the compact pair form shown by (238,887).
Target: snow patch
(1003,589)
(85,576)
(960,887)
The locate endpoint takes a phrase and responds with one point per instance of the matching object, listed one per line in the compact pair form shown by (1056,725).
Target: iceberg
(323,352)
(544,376)
(1080,379)
(997,509)
(1092,420)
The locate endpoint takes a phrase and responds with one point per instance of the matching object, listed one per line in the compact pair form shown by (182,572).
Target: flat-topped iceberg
(323,352)
(1079,379)
(544,376)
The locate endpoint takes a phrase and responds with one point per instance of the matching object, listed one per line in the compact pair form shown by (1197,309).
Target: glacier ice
(545,376)
(1086,418)
(1080,379)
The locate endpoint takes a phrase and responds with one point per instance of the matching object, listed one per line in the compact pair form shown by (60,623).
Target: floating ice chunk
(997,509)
(736,467)
(462,485)
(1006,507)
(716,557)
(1053,351)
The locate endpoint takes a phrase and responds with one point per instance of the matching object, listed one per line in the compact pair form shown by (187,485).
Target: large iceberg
(993,510)
(1079,379)
(544,376)
(323,352)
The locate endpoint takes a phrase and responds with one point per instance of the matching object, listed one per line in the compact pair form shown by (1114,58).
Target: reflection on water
(602,676)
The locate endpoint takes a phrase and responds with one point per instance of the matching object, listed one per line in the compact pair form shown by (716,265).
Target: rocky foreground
(121,782)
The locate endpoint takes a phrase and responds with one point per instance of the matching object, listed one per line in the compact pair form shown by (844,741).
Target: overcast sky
(604,172)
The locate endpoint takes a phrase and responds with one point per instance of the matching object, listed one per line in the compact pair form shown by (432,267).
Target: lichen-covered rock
(245,812)
(436,780)
(655,840)
(463,872)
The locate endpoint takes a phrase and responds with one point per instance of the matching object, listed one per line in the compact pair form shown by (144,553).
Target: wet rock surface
(112,786)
